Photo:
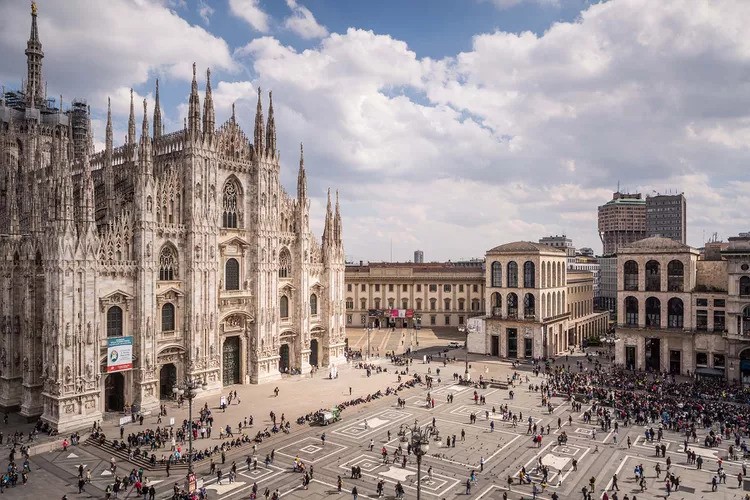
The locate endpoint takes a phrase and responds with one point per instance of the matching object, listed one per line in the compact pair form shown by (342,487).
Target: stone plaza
(502,451)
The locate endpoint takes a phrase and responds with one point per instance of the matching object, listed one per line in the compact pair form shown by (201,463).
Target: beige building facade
(430,294)
(529,297)
(679,313)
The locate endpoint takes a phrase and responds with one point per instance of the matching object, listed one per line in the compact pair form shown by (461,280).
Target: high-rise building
(666,216)
(418,256)
(563,243)
(622,221)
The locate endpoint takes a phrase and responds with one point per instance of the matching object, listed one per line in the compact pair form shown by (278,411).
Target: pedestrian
(468,486)
(354,493)
(339,484)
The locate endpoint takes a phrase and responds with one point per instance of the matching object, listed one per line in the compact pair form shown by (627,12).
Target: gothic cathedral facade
(185,241)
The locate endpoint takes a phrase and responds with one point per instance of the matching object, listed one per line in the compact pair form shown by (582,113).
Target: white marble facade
(186,241)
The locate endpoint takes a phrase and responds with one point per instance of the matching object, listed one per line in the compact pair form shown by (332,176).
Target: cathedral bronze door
(167,380)
(114,392)
(314,352)
(231,367)
(284,358)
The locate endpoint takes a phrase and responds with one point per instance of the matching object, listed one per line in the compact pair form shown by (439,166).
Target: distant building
(433,294)
(563,243)
(666,216)
(418,256)
(682,314)
(590,264)
(536,307)
(586,251)
(622,221)
(607,299)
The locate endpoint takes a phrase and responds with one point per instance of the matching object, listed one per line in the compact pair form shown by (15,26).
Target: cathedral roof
(655,243)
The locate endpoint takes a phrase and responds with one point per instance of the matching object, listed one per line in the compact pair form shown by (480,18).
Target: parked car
(455,345)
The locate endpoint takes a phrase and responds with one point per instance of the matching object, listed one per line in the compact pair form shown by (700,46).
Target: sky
(450,126)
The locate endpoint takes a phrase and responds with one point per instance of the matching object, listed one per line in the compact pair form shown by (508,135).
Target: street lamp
(420,445)
(189,390)
(368,341)
(469,329)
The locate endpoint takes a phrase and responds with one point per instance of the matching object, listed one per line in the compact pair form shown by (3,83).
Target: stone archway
(314,352)
(284,358)
(167,380)
(114,392)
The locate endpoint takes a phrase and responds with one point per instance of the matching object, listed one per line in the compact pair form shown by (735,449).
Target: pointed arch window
(285,264)
(232,274)
(284,307)
(114,322)
(230,202)
(168,266)
(313,304)
(167,318)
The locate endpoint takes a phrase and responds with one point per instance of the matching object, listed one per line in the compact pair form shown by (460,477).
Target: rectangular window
(701,320)
(446,288)
(364,287)
(701,359)
(719,321)
(433,320)
(390,288)
(460,288)
(348,319)
(350,304)
(405,288)
(377,288)
(349,287)
(719,361)
(363,318)
(701,302)
(447,320)
(476,288)
(460,320)
(419,287)
(719,303)
(433,288)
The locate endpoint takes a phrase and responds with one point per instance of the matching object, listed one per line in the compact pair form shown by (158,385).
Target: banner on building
(119,354)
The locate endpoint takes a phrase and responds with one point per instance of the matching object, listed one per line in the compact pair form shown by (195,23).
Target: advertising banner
(119,354)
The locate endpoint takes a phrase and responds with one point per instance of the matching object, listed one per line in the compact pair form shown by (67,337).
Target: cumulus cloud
(92,51)
(524,134)
(303,23)
(205,11)
(506,4)
(250,12)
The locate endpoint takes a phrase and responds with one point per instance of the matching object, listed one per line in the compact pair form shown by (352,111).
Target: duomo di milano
(185,241)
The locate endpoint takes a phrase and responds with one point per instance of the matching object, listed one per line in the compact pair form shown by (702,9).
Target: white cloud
(303,23)
(205,11)
(91,51)
(524,134)
(251,13)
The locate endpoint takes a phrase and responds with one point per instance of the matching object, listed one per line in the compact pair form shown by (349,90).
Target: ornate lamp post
(368,341)
(189,390)
(469,329)
(420,445)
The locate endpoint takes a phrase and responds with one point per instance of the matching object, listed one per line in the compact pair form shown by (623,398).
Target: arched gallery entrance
(314,352)
(284,358)
(167,380)
(745,366)
(231,355)
(114,392)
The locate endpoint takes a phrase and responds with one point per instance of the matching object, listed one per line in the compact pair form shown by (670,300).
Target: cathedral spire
(108,133)
(270,128)
(328,225)
(34,56)
(157,113)
(301,176)
(258,135)
(87,190)
(131,121)
(337,221)
(194,109)
(144,154)
(209,118)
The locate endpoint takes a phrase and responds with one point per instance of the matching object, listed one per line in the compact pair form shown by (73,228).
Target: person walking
(614,482)
(354,493)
